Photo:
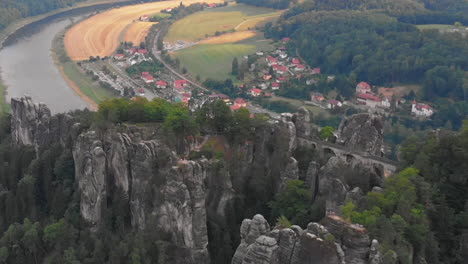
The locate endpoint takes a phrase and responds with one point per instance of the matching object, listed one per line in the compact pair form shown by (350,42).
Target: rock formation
(362,133)
(333,242)
(188,199)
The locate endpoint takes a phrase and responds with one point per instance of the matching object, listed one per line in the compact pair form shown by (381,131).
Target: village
(133,71)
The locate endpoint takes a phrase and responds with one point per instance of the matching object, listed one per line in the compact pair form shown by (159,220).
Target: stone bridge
(340,151)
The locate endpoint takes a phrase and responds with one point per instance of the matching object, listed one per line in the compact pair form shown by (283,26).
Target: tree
(326,133)
(235,67)
(293,203)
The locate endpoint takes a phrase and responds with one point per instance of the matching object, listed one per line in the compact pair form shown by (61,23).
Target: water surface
(27,68)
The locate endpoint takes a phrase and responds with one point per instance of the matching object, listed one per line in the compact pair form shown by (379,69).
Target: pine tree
(235,67)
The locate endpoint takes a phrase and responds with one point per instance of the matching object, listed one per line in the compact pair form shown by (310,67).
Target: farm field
(137,32)
(215,60)
(99,35)
(206,23)
(212,61)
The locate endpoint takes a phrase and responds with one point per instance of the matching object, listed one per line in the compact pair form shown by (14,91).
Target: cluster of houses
(320,99)
(365,96)
(280,68)
(132,56)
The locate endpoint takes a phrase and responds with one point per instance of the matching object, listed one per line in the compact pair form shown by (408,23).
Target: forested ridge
(12,10)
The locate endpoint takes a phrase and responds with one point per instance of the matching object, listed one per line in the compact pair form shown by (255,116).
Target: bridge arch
(350,157)
(329,151)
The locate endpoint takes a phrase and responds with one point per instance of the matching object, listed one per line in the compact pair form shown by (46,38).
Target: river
(27,68)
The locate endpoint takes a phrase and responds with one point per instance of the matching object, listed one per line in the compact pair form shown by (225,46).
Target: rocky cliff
(332,242)
(200,203)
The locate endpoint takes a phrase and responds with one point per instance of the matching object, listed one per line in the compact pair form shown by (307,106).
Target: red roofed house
(241,102)
(179,84)
(145,18)
(142,51)
(275,86)
(141,91)
(212,5)
(421,109)
(145,73)
(316,71)
(363,88)
(268,94)
(271,61)
(161,84)
(369,100)
(316,97)
(235,107)
(286,39)
(333,104)
(299,67)
(255,92)
(148,78)
(296,61)
(280,69)
(119,57)
(131,51)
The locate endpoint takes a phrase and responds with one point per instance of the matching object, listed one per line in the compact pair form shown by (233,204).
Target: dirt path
(255,18)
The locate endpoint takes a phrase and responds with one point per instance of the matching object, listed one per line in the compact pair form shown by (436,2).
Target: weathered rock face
(344,243)
(302,122)
(163,192)
(362,133)
(193,200)
(33,124)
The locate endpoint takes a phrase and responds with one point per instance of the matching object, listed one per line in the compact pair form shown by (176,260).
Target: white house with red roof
(421,109)
(255,92)
(271,61)
(280,69)
(369,99)
(275,86)
(296,61)
(180,84)
(363,88)
(148,79)
(299,67)
(331,104)
(145,18)
(161,84)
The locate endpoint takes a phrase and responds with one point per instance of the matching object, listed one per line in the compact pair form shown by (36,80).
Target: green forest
(12,10)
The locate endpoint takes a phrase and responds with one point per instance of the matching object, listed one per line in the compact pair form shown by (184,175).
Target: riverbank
(82,84)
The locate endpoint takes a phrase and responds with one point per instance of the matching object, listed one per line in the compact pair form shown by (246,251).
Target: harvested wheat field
(99,35)
(230,37)
(137,32)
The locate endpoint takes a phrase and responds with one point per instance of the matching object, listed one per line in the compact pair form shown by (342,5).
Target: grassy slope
(196,26)
(213,61)
(86,85)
